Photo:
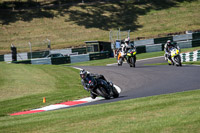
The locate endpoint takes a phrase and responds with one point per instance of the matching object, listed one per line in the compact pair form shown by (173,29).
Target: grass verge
(23,87)
(178,112)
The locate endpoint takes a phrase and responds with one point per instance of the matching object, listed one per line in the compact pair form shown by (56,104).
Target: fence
(67,59)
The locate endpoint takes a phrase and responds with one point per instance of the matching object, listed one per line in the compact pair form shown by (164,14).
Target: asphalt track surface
(148,80)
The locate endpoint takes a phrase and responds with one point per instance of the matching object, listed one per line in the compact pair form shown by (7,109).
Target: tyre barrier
(190,56)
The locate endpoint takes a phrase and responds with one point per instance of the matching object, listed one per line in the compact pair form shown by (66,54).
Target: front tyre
(179,58)
(120,62)
(115,93)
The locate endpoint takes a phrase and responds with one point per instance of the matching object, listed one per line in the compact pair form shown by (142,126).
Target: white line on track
(137,60)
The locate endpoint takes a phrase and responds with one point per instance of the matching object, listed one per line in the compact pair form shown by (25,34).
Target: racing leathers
(88,78)
(167,49)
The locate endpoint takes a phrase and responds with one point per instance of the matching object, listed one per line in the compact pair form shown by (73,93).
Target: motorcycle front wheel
(133,61)
(115,93)
(178,60)
(120,62)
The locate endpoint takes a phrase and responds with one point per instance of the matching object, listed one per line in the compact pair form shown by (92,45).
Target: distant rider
(124,46)
(168,46)
(87,77)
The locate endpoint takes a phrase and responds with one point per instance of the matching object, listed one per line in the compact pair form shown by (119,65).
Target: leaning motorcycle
(131,57)
(100,87)
(175,57)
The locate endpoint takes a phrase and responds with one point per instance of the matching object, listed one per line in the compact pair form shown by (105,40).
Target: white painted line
(151,58)
(137,60)
(89,99)
(53,107)
(78,68)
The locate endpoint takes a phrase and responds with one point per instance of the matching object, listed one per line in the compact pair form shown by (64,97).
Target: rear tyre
(102,92)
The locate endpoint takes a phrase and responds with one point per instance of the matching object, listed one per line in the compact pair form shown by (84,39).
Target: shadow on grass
(115,14)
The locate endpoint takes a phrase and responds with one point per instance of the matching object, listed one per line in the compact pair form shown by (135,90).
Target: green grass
(71,25)
(172,113)
(23,87)
(192,63)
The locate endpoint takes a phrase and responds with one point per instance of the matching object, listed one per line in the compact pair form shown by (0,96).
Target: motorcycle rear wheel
(178,60)
(102,92)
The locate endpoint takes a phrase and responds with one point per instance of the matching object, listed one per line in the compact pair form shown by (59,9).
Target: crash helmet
(83,74)
(169,42)
(127,40)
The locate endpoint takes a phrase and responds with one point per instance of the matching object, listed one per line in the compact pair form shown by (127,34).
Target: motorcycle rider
(167,49)
(124,46)
(86,78)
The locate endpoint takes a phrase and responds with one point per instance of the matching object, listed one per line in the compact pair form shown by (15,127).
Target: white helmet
(127,40)
(168,41)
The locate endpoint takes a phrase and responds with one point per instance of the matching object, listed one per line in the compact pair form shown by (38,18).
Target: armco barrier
(62,51)
(144,42)
(141,49)
(182,37)
(195,43)
(22,56)
(154,48)
(60,60)
(79,58)
(7,57)
(41,61)
(196,36)
(80,50)
(1,57)
(162,40)
(185,44)
(101,55)
(40,54)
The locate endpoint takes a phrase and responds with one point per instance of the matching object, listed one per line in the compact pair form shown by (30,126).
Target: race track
(148,80)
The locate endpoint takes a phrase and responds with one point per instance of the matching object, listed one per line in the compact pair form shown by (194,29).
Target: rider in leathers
(167,48)
(124,46)
(86,78)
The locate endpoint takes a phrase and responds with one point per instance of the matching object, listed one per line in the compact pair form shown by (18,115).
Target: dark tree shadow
(124,17)
(116,14)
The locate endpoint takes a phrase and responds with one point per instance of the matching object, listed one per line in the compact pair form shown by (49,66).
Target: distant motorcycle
(120,57)
(131,57)
(100,87)
(175,57)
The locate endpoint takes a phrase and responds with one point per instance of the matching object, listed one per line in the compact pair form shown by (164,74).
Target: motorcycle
(175,57)
(131,57)
(100,87)
(120,57)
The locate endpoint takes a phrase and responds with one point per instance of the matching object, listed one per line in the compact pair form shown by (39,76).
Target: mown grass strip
(177,112)
(22,87)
